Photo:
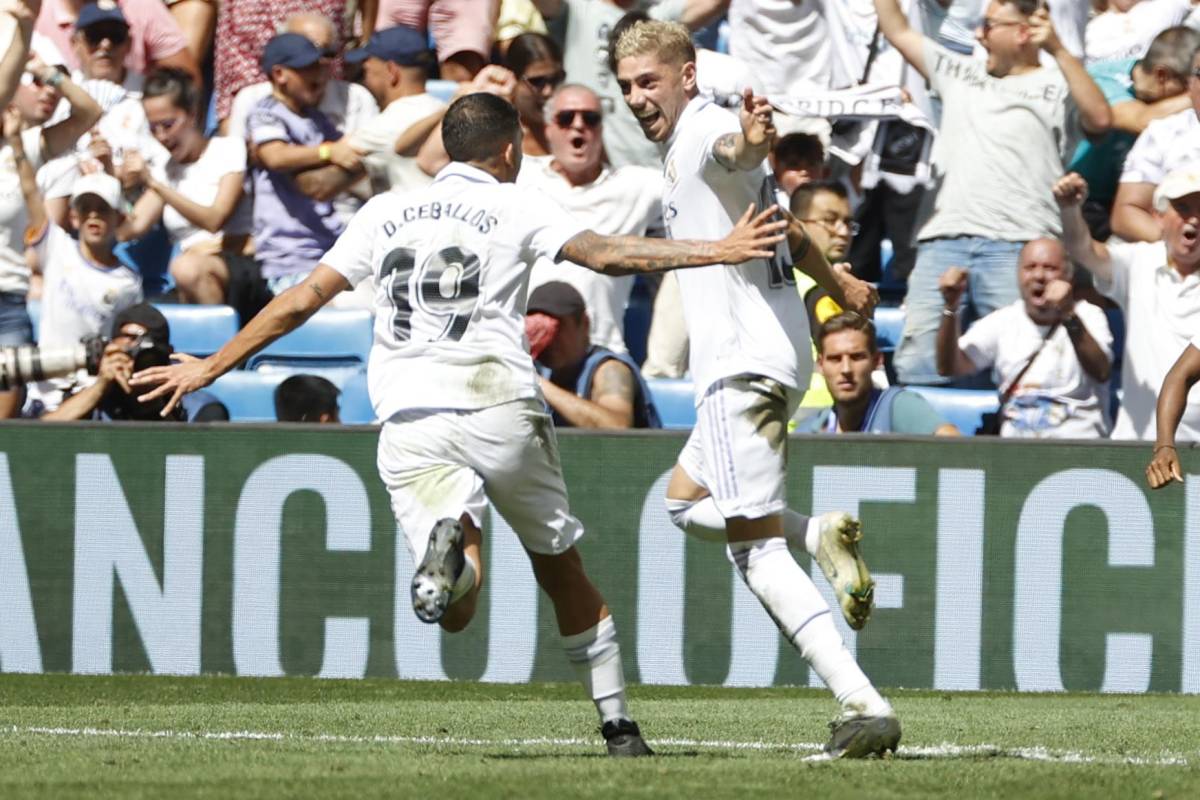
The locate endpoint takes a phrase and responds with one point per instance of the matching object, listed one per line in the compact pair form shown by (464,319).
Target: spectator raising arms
(197,196)
(16,30)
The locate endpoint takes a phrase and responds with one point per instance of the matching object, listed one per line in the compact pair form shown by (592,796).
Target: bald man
(1049,354)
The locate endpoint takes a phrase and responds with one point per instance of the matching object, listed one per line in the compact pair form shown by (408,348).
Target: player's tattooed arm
(754,236)
(748,149)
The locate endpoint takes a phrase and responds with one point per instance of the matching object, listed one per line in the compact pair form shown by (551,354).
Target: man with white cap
(1156,284)
(85,286)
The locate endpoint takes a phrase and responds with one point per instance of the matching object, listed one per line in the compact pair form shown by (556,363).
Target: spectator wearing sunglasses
(622,201)
(537,63)
(155,39)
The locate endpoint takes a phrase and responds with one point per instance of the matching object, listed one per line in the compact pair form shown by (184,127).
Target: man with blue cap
(288,135)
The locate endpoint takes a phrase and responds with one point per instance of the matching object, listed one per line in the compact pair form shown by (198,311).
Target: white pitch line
(946,750)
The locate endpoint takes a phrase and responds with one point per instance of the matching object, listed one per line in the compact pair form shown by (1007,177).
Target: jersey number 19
(447,289)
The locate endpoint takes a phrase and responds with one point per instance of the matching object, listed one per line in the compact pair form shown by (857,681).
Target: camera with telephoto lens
(29,363)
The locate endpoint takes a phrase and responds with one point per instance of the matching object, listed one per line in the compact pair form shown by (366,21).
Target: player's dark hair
(304,398)
(1172,50)
(478,127)
(629,20)
(175,85)
(1025,7)
(803,196)
(528,48)
(847,321)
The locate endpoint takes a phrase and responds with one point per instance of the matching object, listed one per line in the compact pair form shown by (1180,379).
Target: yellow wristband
(325,151)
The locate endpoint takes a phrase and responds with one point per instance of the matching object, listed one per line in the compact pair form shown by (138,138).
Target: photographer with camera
(141,339)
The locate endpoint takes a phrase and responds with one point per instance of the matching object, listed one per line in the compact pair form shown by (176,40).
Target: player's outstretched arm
(1172,398)
(284,314)
(754,236)
(748,149)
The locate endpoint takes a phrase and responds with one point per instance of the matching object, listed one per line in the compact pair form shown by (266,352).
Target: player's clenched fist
(953,285)
(1070,190)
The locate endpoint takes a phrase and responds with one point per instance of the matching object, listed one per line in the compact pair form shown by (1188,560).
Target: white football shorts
(738,449)
(441,464)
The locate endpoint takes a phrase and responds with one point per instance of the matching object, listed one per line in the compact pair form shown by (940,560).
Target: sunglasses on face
(543,82)
(117,34)
(565,119)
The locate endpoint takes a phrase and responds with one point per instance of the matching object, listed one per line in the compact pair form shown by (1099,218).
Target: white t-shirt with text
(742,320)
(1055,398)
(451,266)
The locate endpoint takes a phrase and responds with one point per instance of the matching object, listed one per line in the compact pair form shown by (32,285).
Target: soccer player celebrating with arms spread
(750,357)
(451,376)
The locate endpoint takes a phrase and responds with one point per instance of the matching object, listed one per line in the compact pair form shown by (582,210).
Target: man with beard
(1050,355)
(1155,284)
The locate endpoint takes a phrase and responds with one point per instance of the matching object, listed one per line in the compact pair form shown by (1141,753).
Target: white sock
(698,518)
(804,618)
(596,659)
(466,580)
(702,520)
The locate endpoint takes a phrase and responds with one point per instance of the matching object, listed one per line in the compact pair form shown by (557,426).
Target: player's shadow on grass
(600,755)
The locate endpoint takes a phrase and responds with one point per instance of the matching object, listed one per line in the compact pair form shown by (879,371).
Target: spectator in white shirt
(1165,145)
(1127,27)
(197,195)
(1050,355)
(621,201)
(1156,284)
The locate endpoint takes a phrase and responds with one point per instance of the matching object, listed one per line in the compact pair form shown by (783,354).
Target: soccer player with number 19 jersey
(750,358)
(451,377)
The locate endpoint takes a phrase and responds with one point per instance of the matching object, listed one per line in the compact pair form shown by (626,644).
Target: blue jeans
(992,267)
(15,325)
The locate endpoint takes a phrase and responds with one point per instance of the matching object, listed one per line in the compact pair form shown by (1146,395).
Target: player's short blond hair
(670,41)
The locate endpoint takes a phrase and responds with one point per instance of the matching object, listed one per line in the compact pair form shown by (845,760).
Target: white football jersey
(451,265)
(743,320)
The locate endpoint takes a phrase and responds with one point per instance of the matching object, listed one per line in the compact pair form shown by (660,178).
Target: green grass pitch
(157,737)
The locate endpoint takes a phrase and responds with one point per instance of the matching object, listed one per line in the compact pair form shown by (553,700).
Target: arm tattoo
(317,290)
(625,255)
(725,150)
(613,379)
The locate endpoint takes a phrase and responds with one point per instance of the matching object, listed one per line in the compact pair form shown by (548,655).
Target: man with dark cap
(141,339)
(585,385)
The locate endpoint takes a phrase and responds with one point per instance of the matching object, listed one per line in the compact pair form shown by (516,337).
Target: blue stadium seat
(150,257)
(354,406)
(675,399)
(889,324)
(199,330)
(963,408)
(442,90)
(331,337)
(249,396)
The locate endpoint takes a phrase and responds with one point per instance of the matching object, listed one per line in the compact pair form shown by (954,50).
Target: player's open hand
(754,236)
(1164,467)
(187,375)
(857,295)
(758,119)
(1070,191)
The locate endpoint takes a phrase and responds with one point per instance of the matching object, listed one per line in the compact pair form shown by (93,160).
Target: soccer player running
(750,356)
(450,375)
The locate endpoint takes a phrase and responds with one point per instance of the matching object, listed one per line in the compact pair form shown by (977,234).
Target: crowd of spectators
(965,155)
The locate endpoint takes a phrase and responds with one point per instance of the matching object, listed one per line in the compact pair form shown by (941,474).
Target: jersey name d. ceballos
(451,265)
(742,320)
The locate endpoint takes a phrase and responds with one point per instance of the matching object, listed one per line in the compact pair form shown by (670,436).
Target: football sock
(702,520)
(790,597)
(596,659)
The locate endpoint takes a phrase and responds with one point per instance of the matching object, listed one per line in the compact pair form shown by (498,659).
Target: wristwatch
(1072,325)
